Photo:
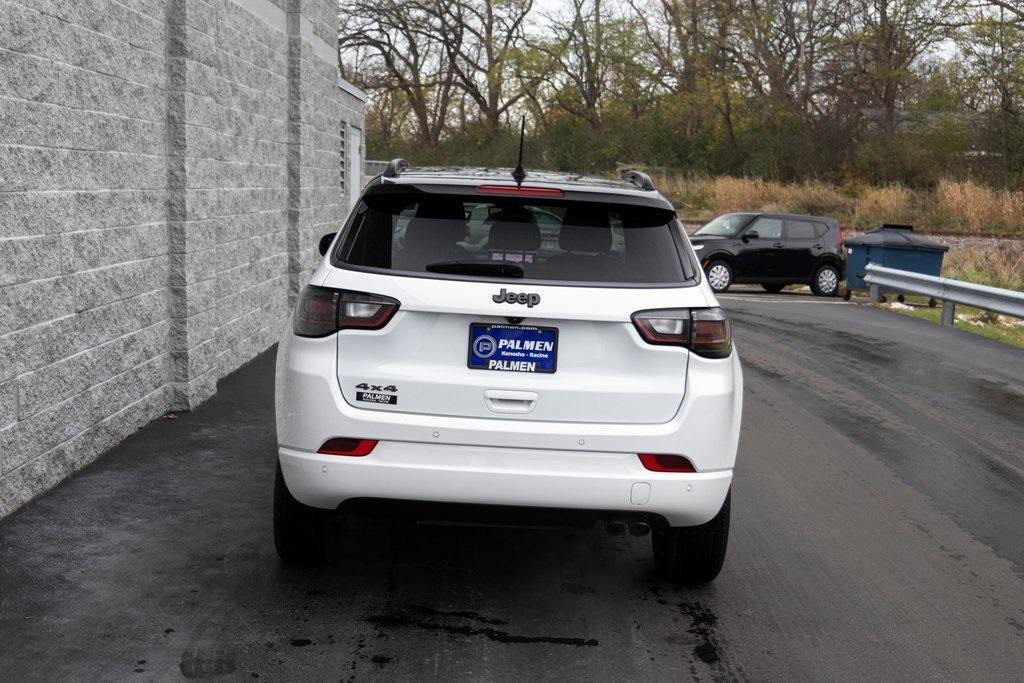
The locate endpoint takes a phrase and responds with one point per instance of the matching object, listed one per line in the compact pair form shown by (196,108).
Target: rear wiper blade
(495,269)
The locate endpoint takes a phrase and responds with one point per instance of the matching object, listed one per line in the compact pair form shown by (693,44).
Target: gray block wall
(166,170)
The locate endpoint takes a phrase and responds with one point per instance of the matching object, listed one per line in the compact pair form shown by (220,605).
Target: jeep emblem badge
(505,296)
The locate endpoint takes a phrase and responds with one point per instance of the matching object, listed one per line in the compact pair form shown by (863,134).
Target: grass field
(1001,266)
(960,207)
(1001,328)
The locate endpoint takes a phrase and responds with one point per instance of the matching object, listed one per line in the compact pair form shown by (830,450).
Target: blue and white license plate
(513,348)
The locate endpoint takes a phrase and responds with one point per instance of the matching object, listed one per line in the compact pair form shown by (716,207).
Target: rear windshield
(540,238)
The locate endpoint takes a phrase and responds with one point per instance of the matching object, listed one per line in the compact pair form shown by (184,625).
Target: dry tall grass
(1002,266)
(954,206)
(740,193)
(979,207)
(887,204)
(706,197)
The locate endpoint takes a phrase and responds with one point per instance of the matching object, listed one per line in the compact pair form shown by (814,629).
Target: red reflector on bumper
(658,462)
(342,446)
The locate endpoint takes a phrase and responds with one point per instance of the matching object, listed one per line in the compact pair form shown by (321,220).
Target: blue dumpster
(892,246)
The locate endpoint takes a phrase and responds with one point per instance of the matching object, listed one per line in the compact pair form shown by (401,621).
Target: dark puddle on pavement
(408,586)
(701,629)
(401,618)
(702,625)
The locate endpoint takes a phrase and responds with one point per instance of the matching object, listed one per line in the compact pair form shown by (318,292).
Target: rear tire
(719,276)
(692,555)
(825,281)
(303,535)
(773,288)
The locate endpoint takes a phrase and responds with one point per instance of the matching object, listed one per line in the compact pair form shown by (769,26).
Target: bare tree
(396,52)
(885,40)
(577,50)
(781,87)
(781,43)
(483,41)
(689,42)
(1014,7)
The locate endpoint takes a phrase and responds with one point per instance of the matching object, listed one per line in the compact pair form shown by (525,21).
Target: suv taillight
(705,331)
(322,311)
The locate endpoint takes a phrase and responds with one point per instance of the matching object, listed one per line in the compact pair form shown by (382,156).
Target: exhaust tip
(639,529)
(615,528)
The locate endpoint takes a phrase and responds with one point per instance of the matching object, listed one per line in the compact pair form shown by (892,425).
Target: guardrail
(950,291)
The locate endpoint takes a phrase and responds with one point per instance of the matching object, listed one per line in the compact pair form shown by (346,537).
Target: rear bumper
(613,482)
(508,462)
(311,409)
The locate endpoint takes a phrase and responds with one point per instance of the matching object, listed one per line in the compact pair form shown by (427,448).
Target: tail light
(660,462)
(705,331)
(344,446)
(322,311)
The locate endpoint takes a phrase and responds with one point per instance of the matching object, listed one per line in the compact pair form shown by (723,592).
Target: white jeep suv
(473,347)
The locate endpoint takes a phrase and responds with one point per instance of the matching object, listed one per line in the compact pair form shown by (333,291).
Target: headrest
(514,230)
(585,229)
(512,214)
(422,234)
(441,207)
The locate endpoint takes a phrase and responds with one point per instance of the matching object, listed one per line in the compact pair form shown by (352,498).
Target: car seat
(585,239)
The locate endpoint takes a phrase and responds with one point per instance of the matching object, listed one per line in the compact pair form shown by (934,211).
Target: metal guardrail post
(950,291)
(948,312)
(876,294)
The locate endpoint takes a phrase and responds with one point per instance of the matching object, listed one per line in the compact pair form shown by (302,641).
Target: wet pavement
(877,518)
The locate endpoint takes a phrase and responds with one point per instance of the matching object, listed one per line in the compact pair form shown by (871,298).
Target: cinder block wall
(166,169)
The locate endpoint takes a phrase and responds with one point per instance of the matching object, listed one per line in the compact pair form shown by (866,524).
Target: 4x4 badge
(504,296)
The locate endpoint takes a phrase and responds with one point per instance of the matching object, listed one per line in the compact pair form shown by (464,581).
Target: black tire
(719,276)
(303,535)
(826,274)
(773,288)
(694,554)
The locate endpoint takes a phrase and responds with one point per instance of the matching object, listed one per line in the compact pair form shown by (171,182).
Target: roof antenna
(518,173)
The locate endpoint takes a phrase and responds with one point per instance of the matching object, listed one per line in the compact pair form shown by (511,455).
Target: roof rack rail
(394,168)
(641,180)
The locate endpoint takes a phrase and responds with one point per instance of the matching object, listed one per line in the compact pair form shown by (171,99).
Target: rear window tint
(767,228)
(800,230)
(549,239)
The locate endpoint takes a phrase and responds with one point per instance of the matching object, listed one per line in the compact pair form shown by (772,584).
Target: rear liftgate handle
(501,401)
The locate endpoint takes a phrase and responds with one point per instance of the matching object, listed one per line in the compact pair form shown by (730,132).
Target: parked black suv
(772,249)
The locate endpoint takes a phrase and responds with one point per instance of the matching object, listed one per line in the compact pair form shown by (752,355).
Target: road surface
(878,533)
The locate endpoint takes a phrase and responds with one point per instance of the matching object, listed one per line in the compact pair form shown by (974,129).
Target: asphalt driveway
(872,539)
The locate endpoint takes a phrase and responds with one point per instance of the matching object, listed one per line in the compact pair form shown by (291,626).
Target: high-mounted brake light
(520,191)
(660,462)
(345,446)
(705,331)
(322,311)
